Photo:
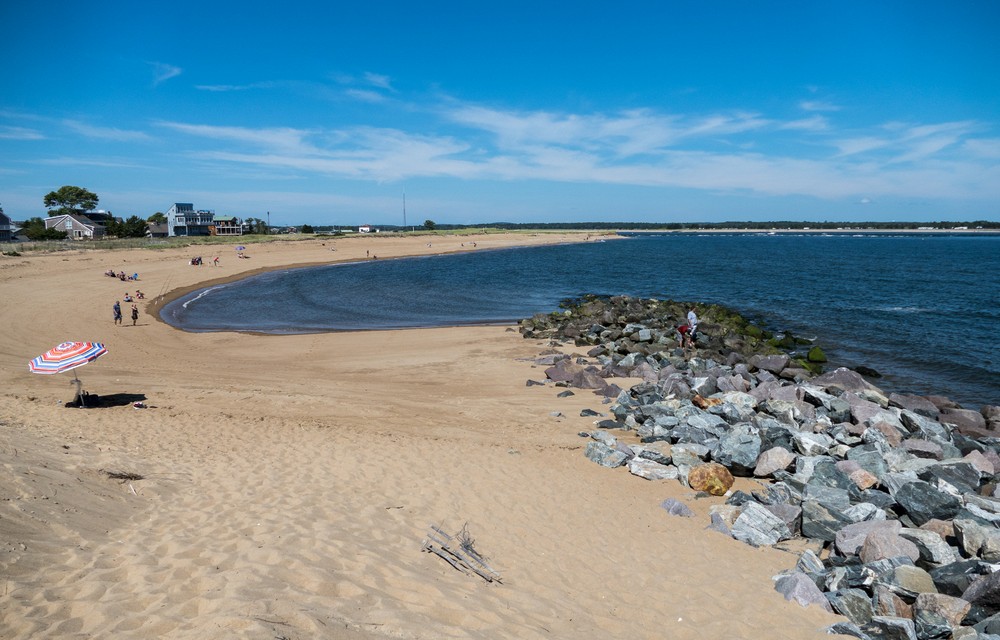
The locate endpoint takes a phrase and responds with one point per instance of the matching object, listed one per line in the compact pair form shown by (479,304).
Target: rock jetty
(898,492)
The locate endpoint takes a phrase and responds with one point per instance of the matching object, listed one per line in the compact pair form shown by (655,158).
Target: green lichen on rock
(816,355)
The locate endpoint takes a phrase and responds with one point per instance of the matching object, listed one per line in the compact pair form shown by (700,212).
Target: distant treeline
(681,226)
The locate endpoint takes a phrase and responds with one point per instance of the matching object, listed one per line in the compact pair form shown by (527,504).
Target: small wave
(901,309)
(200,296)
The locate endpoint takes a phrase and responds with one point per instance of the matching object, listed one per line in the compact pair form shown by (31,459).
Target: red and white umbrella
(67,356)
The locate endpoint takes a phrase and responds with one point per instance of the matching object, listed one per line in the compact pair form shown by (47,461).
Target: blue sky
(506,111)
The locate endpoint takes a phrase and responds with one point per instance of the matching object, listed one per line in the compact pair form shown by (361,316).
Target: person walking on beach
(117,310)
(135,314)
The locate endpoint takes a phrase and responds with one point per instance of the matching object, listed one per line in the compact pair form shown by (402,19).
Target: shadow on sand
(94,401)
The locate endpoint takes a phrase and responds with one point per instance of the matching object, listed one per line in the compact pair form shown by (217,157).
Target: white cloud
(722,152)
(363,95)
(163,72)
(106,133)
(818,105)
(220,88)
(19,133)
(986,148)
(814,123)
(378,80)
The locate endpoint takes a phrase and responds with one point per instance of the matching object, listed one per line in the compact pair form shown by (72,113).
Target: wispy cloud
(378,80)
(106,133)
(220,88)
(20,133)
(163,72)
(818,105)
(721,152)
(365,95)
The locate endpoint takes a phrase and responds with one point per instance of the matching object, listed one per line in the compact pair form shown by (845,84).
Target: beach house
(77,226)
(227,226)
(183,220)
(6,227)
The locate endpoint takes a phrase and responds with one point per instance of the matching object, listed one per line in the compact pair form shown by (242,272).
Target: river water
(923,309)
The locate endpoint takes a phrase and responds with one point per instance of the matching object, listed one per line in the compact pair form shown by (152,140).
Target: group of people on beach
(121,275)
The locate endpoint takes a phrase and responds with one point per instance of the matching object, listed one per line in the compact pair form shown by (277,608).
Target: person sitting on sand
(127,297)
(139,295)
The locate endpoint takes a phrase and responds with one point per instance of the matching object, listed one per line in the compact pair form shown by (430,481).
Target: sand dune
(288,482)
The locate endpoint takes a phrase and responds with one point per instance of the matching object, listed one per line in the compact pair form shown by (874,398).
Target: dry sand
(289,481)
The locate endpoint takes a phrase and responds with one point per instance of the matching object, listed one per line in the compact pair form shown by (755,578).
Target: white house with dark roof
(183,220)
(6,227)
(76,226)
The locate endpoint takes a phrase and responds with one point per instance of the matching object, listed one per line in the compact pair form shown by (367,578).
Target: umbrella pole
(79,388)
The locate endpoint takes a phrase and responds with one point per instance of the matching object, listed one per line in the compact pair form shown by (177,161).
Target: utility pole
(404,209)
(268,223)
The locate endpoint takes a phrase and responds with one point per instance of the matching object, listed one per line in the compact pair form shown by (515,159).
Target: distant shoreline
(819,231)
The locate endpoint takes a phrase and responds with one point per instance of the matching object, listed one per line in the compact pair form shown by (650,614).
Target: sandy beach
(288,482)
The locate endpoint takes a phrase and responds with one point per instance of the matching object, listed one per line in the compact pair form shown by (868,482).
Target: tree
(134,227)
(306,228)
(256,225)
(429,225)
(34,229)
(157,218)
(69,199)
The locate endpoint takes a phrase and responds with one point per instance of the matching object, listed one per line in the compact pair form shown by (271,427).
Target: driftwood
(459,551)
(123,475)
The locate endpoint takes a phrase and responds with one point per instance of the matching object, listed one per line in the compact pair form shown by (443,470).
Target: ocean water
(924,310)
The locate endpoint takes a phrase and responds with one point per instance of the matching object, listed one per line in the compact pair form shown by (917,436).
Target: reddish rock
(943,528)
(705,403)
(711,477)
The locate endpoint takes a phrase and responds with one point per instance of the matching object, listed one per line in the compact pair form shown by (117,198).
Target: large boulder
(711,477)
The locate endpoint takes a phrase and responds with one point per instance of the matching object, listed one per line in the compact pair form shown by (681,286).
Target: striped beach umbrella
(66,356)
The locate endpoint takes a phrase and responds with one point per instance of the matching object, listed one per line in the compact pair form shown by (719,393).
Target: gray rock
(954,579)
(738,449)
(870,459)
(812,444)
(978,541)
(966,421)
(908,581)
(821,521)
(604,455)
(855,604)
(884,543)
(651,470)
(891,628)
(759,527)
(718,523)
(847,629)
(923,448)
(984,591)
(810,564)
(923,502)
(798,587)
(916,404)
(774,364)
(931,625)
(865,511)
(851,537)
(774,459)
(688,453)
(789,514)
(676,508)
(842,379)
(952,609)
(934,551)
